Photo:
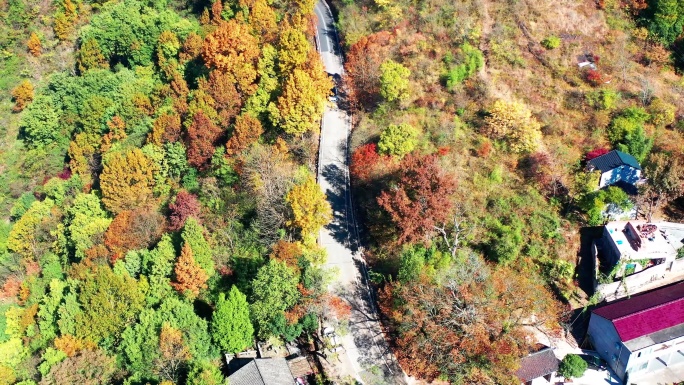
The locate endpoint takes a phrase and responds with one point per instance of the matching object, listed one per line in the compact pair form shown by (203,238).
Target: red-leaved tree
(363,160)
(595,153)
(593,77)
(202,134)
(421,199)
(185,206)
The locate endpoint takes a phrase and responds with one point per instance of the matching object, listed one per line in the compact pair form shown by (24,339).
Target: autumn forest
(160,202)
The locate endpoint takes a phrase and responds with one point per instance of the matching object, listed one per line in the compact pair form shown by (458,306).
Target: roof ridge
(649,309)
(540,351)
(258,369)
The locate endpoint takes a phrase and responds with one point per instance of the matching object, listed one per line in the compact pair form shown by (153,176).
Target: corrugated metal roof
(537,365)
(646,313)
(614,159)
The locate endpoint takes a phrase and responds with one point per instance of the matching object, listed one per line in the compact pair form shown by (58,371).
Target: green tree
(24,238)
(231,328)
(85,220)
(470,61)
(394,81)
(181,315)
(274,290)
(666,20)
(140,344)
(193,235)
(572,366)
(40,123)
(205,373)
(110,303)
(398,140)
(90,56)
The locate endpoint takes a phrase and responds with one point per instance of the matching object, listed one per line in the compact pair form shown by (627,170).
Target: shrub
(514,123)
(572,366)
(605,99)
(662,113)
(551,42)
(593,77)
(595,153)
(472,60)
(398,140)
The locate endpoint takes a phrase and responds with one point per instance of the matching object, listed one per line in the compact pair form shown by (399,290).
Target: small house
(538,368)
(642,334)
(263,371)
(616,167)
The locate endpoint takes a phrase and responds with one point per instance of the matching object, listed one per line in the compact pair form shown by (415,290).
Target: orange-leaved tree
(189,278)
(131,230)
(231,48)
(22,95)
(33,45)
(363,68)
(127,181)
(166,129)
(246,131)
(173,356)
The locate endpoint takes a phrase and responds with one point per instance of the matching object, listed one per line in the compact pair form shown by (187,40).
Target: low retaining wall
(643,280)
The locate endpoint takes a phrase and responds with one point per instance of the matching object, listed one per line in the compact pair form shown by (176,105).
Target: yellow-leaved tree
(294,49)
(22,95)
(127,181)
(310,209)
(302,102)
(33,45)
(514,123)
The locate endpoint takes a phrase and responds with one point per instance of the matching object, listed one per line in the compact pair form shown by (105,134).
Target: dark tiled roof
(299,367)
(263,371)
(614,159)
(646,313)
(537,365)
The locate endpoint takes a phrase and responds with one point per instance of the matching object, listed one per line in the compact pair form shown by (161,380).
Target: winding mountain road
(365,355)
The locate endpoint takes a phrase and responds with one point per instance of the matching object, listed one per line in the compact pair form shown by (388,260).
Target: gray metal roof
(263,371)
(614,159)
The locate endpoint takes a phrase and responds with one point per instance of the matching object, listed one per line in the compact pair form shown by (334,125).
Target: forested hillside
(473,124)
(158,199)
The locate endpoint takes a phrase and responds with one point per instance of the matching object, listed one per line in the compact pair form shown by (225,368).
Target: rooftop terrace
(643,240)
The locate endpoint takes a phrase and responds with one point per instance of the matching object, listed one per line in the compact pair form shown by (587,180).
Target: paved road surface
(366,355)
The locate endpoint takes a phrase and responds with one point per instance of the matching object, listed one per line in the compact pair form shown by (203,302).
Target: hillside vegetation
(473,123)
